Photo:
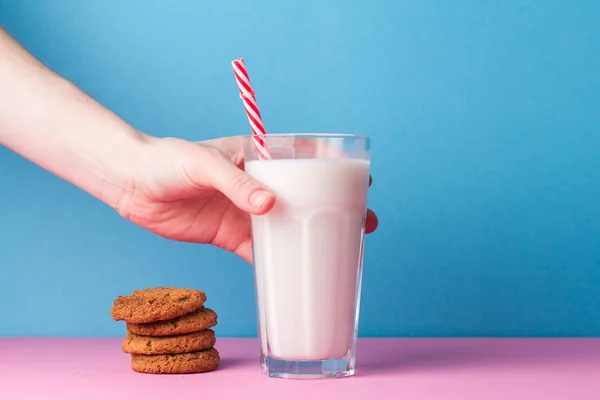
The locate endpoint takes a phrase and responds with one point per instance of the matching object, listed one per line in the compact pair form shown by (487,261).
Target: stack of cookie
(168,330)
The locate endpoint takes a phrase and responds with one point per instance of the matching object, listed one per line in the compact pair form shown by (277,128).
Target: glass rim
(314,135)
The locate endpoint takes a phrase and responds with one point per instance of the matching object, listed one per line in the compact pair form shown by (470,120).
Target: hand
(193,192)
(199,192)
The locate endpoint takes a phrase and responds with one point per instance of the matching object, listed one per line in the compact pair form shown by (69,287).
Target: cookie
(188,343)
(156,304)
(186,363)
(202,318)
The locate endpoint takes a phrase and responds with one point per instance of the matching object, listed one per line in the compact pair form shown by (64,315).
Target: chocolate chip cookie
(156,304)
(186,363)
(202,318)
(188,343)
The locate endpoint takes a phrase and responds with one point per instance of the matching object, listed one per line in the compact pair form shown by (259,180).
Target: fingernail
(258,198)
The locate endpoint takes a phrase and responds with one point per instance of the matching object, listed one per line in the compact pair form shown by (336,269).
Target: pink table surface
(483,369)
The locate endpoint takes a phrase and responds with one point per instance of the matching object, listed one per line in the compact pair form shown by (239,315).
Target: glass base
(319,369)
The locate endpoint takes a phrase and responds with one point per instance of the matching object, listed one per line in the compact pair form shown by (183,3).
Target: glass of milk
(308,252)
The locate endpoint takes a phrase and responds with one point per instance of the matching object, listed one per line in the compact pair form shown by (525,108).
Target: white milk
(307,254)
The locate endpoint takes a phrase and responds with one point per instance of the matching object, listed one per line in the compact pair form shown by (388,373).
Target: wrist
(113,178)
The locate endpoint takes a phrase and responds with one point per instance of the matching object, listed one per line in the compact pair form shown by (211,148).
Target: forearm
(51,122)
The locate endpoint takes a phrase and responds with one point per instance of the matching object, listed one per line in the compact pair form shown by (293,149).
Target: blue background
(485,119)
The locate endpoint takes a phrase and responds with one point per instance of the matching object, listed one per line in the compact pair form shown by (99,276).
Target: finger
(231,146)
(370,180)
(372,222)
(245,192)
(244,250)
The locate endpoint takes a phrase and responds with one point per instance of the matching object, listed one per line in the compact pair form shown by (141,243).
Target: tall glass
(308,252)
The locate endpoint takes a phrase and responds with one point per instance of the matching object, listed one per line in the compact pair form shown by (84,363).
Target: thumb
(245,192)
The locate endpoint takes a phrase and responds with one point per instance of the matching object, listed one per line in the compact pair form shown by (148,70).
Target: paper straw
(247,96)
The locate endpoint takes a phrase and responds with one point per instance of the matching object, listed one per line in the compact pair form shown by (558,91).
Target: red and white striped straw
(247,96)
